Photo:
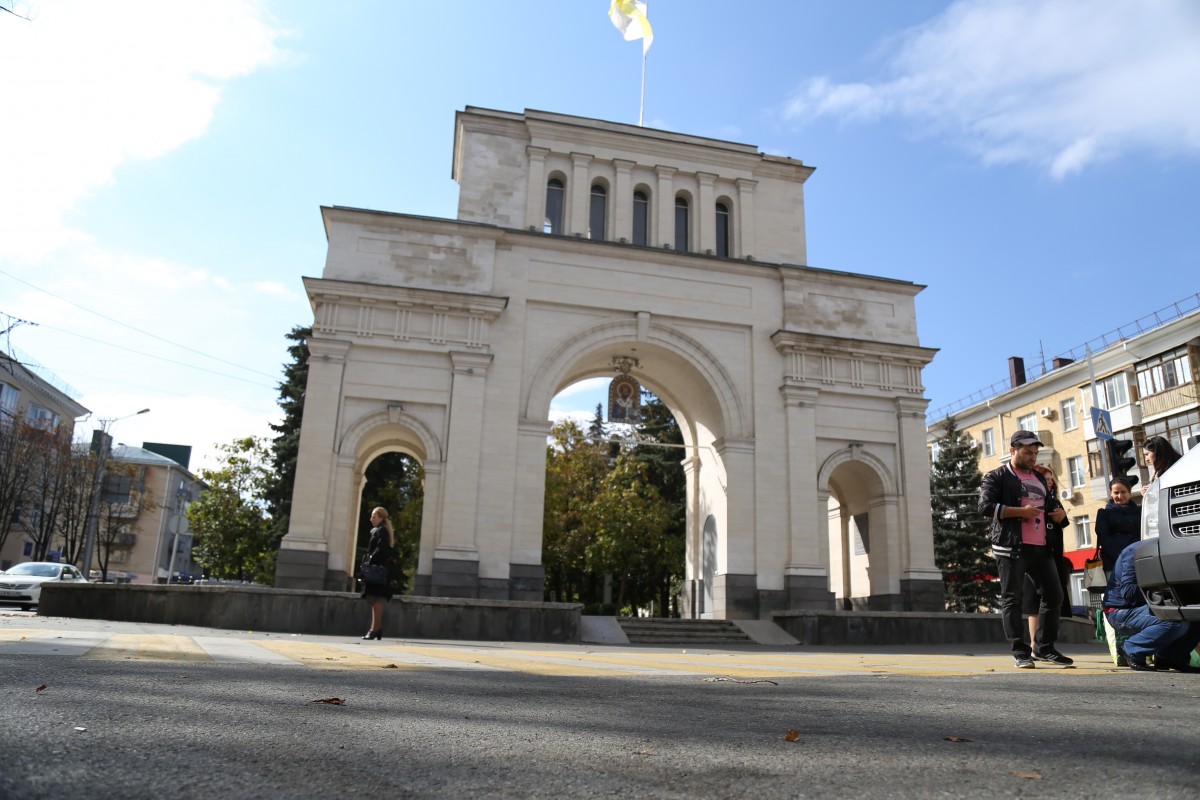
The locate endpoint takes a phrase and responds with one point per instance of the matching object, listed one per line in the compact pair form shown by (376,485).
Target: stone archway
(449,338)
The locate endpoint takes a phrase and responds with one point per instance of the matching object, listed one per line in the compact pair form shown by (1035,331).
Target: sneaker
(1022,662)
(1136,663)
(1055,657)
(1178,666)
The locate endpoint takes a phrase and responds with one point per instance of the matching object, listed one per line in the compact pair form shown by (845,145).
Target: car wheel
(26,607)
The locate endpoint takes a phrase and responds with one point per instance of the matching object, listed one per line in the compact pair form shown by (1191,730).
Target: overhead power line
(139,330)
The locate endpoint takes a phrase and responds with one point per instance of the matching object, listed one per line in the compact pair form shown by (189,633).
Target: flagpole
(642,107)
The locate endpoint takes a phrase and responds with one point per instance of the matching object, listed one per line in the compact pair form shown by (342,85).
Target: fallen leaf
(792,735)
(726,679)
(40,688)
(390,666)
(955,739)
(1033,776)
(649,751)
(333,701)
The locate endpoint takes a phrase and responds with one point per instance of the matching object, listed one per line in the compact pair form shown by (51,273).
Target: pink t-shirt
(1033,493)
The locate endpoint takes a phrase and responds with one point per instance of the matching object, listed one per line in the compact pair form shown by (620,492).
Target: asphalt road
(150,711)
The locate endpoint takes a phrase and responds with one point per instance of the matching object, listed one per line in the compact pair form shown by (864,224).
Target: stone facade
(798,390)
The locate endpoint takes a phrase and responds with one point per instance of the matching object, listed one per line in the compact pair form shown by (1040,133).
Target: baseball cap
(1022,438)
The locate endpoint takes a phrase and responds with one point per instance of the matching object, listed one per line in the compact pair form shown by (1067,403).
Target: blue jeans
(1037,562)
(1150,636)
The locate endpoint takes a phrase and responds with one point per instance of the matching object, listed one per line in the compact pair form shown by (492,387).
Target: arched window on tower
(681,224)
(722,230)
(641,219)
(554,207)
(598,212)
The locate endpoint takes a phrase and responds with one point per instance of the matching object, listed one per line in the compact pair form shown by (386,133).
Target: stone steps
(661,630)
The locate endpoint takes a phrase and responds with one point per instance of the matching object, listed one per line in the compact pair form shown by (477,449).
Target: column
(743,239)
(735,593)
(704,215)
(456,557)
(527,575)
(920,579)
(581,191)
(303,553)
(621,201)
(535,198)
(806,574)
(662,227)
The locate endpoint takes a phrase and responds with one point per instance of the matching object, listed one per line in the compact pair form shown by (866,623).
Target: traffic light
(1121,460)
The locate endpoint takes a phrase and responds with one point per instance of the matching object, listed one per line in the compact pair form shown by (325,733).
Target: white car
(22,584)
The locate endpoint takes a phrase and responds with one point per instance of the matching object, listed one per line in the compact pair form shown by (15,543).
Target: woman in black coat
(383,539)
(1118,524)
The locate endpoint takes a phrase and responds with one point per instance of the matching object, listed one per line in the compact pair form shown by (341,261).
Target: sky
(1032,163)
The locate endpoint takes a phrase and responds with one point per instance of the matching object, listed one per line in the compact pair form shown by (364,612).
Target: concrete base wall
(315,612)
(906,627)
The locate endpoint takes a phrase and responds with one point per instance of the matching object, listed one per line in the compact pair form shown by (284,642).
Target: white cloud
(274,289)
(1060,84)
(91,85)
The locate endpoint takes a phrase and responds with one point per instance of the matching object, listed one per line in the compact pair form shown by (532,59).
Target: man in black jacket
(1014,497)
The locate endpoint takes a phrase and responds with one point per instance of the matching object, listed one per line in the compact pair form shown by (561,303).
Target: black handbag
(373,573)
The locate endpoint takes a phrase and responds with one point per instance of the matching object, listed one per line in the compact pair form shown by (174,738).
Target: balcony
(1181,397)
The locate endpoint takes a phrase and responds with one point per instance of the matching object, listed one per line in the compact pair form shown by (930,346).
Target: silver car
(22,584)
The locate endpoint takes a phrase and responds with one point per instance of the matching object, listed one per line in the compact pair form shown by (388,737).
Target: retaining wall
(909,627)
(314,612)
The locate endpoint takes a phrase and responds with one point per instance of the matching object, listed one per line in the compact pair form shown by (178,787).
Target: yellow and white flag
(630,18)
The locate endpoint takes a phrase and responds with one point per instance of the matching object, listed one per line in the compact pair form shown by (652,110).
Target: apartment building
(1148,381)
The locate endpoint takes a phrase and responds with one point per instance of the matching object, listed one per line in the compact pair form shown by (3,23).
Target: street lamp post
(101,445)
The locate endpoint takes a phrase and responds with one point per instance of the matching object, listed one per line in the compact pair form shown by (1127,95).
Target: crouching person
(1169,643)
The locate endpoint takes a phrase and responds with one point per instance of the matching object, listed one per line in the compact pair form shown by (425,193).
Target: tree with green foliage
(395,481)
(961,546)
(285,447)
(624,522)
(575,469)
(233,534)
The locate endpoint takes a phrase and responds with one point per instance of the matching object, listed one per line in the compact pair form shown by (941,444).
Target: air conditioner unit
(1066,494)
(1046,411)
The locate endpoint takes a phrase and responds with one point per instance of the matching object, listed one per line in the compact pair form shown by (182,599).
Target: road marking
(332,656)
(565,660)
(147,647)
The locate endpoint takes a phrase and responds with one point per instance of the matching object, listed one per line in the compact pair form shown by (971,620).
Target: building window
(1075,471)
(1113,391)
(8,399)
(1163,372)
(1070,418)
(1027,422)
(722,230)
(597,213)
(1079,595)
(1083,532)
(641,219)
(989,441)
(681,224)
(554,207)
(42,418)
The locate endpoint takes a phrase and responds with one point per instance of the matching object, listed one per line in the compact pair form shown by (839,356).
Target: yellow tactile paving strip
(567,661)
(147,647)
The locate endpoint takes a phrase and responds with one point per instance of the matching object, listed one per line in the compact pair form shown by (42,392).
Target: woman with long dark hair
(1160,456)
(383,539)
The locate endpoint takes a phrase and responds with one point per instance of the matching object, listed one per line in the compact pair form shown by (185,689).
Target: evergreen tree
(960,541)
(286,446)
(663,573)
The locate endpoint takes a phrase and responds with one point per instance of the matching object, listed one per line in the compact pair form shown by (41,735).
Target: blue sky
(1034,163)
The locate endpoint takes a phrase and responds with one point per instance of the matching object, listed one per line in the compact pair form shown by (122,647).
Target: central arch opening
(615,512)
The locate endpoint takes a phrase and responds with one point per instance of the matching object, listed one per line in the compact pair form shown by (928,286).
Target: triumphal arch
(580,244)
